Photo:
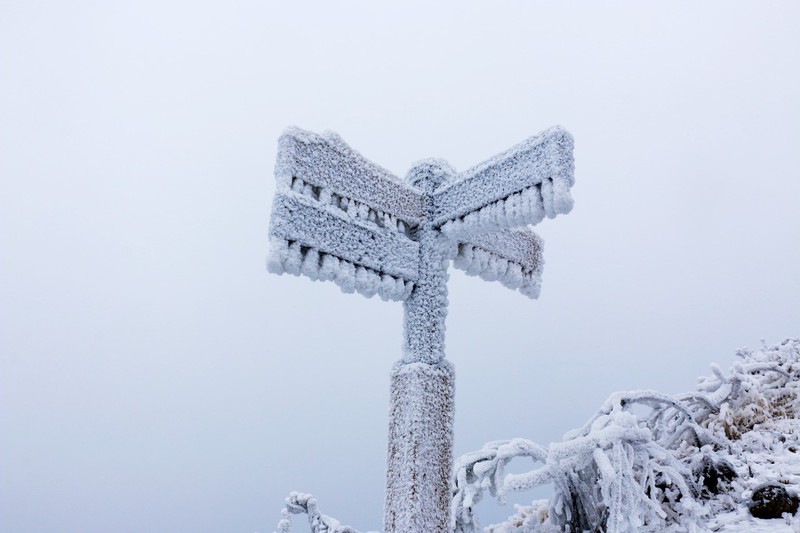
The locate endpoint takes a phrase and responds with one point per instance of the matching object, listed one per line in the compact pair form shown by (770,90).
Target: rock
(716,475)
(772,500)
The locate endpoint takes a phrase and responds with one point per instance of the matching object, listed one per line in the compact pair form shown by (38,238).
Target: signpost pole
(420,450)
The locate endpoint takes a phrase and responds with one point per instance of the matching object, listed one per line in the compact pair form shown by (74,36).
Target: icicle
(297,185)
(325,196)
(451,252)
(409,288)
(485,218)
(480,260)
(499,267)
(490,272)
(329,267)
(401,227)
(496,211)
(352,208)
(547,198)
(294,259)
(278,251)
(458,226)
(388,288)
(308,190)
(561,196)
(466,251)
(530,286)
(346,277)
(363,211)
(513,276)
(470,221)
(310,266)
(374,282)
(512,206)
(367,282)
(532,206)
(400,288)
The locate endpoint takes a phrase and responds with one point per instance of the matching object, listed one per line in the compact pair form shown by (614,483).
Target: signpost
(338,217)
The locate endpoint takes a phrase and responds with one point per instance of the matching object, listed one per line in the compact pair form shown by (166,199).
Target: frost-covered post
(338,217)
(419,459)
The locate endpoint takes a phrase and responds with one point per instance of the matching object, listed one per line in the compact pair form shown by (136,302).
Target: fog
(154,377)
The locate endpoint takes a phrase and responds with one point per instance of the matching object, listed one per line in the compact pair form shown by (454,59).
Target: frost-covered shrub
(299,503)
(614,474)
(764,387)
(682,464)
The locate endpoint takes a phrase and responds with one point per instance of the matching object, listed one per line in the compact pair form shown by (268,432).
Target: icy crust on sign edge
(333,231)
(543,162)
(554,133)
(292,258)
(359,211)
(329,162)
(512,257)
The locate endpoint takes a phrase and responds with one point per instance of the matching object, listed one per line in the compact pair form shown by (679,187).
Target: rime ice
(338,217)
(335,212)
(690,464)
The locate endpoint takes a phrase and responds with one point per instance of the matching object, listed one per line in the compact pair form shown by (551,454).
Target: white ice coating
(518,187)
(646,461)
(512,257)
(338,217)
(419,458)
(300,503)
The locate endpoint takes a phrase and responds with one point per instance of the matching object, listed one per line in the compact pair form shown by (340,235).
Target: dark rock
(771,501)
(716,475)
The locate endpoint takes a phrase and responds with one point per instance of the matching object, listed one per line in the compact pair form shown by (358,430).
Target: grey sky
(154,377)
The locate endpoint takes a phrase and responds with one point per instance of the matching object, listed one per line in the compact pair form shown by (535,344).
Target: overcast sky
(154,377)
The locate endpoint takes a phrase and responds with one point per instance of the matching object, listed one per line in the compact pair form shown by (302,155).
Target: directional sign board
(341,218)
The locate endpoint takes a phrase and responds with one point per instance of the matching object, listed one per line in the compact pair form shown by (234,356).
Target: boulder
(716,475)
(772,500)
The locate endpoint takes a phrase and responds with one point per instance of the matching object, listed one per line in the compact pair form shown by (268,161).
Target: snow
(624,471)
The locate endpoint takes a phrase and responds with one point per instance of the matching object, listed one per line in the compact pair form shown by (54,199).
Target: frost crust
(653,462)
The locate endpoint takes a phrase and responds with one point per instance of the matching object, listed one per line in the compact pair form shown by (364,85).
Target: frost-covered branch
(646,461)
(478,471)
(299,503)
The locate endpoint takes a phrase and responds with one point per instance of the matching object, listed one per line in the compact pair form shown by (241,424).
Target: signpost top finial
(427,175)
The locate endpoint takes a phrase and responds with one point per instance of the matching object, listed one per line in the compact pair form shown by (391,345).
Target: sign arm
(513,257)
(338,217)
(516,188)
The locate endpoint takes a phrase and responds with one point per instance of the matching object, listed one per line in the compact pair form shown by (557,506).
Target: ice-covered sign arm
(515,188)
(339,217)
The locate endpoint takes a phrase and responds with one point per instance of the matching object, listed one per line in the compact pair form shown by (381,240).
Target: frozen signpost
(338,217)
